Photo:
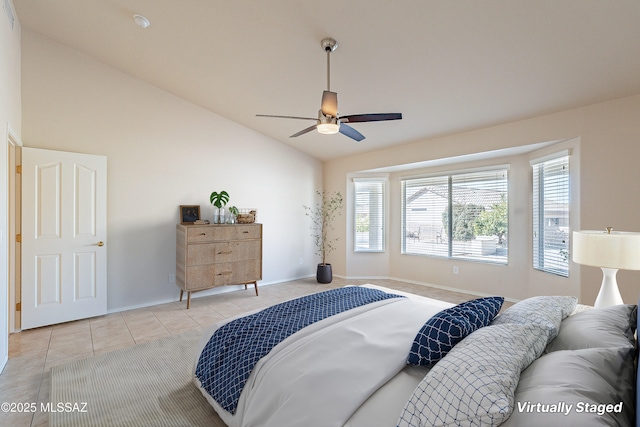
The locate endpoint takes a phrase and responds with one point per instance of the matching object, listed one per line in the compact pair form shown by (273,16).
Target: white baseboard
(426,284)
(200,294)
(363,277)
(449,288)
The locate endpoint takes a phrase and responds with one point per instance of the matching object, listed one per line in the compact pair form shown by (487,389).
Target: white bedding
(326,371)
(383,407)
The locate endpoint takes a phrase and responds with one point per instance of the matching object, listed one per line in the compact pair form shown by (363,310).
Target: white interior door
(64,230)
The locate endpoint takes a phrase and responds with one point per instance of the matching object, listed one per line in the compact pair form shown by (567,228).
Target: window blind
(551,190)
(459,215)
(369,215)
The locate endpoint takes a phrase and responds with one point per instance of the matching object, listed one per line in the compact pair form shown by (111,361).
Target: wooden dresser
(208,256)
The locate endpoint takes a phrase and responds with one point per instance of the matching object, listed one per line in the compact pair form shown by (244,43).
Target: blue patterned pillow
(474,385)
(448,327)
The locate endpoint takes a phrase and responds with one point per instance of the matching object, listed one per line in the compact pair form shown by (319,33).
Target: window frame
(447,232)
(380,215)
(539,233)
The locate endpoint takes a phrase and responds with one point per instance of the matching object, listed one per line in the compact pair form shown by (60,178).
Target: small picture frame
(189,214)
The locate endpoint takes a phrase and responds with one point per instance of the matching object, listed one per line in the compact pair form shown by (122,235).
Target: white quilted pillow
(474,384)
(546,311)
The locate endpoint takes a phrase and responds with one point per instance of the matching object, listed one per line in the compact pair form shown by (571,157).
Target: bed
(380,357)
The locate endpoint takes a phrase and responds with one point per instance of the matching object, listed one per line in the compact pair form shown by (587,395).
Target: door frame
(14,146)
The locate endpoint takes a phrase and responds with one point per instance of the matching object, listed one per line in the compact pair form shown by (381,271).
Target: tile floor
(27,375)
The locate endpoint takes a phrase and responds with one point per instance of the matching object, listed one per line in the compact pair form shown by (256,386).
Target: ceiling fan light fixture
(328,128)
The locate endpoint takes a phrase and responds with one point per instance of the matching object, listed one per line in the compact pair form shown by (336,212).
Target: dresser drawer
(207,234)
(208,253)
(211,253)
(213,233)
(212,275)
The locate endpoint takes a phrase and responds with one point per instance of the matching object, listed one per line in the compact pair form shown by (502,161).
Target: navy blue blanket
(233,350)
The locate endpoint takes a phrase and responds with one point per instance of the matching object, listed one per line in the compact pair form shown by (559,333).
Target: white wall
(163,152)
(606,138)
(10,118)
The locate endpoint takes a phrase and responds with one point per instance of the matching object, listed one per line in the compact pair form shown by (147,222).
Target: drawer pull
(203,234)
(245,232)
(224,252)
(225,273)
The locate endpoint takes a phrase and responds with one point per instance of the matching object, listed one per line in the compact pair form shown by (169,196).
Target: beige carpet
(145,385)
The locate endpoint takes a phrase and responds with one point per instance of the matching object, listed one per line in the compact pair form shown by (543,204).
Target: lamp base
(609,293)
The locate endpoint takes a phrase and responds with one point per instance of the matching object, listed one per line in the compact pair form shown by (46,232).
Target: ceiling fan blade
(303,131)
(329,103)
(286,117)
(351,132)
(377,117)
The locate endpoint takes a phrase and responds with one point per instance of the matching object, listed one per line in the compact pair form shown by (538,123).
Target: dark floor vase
(324,273)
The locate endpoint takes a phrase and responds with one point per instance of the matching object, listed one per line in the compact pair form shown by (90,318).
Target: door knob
(100,243)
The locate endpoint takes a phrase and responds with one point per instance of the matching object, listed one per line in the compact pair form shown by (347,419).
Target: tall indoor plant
(322,215)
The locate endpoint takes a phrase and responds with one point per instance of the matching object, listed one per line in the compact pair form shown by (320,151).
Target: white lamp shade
(618,249)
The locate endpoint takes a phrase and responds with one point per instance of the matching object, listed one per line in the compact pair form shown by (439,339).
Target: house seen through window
(462,216)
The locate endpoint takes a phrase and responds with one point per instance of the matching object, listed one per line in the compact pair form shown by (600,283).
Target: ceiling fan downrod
(329,45)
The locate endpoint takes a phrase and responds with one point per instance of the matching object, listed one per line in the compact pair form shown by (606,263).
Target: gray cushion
(583,379)
(598,327)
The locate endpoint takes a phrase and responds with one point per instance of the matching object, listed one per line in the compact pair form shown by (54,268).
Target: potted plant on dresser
(322,216)
(219,201)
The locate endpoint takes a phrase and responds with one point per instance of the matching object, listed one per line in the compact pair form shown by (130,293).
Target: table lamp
(610,250)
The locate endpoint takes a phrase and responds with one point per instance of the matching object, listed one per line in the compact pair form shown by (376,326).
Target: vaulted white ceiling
(448,66)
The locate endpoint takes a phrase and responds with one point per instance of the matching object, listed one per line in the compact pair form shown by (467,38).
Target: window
(551,214)
(369,214)
(462,216)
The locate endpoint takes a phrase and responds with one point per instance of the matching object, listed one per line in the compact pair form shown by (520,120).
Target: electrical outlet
(172,278)
(455,269)
(301,261)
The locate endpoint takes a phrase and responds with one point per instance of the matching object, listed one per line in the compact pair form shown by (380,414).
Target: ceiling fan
(329,121)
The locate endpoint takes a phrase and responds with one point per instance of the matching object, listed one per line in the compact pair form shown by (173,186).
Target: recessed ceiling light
(141,21)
